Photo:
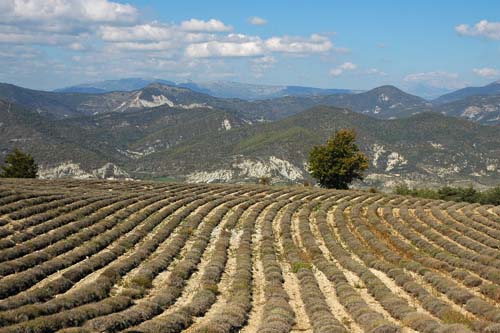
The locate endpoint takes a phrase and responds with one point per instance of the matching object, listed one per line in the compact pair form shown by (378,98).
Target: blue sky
(421,46)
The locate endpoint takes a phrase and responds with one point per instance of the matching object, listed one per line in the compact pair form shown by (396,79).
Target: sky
(424,47)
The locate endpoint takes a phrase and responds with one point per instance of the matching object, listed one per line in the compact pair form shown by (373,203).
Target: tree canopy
(339,161)
(19,165)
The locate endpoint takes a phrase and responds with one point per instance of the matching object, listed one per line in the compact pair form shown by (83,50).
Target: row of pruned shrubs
(122,227)
(360,311)
(100,288)
(491,290)
(207,292)
(69,224)
(28,216)
(479,218)
(485,232)
(41,208)
(172,288)
(145,220)
(52,221)
(318,311)
(437,307)
(234,313)
(277,315)
(21,201)
(471,254)
(490,217)
(448,261)
(369,256)
(65,239)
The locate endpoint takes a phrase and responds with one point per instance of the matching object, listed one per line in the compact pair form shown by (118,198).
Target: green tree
(19,165)
(338,162)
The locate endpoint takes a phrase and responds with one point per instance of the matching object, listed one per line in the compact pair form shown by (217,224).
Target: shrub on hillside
(19,165)
(459,194)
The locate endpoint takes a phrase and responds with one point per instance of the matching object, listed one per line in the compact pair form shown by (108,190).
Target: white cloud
(136,46)
(144,32)
(79,10)
(264,61)
(224,49)
(375,71)
(59,22)
(436,79)
(118,41)
(483,28)
(346,66)
(486,72)
(313,44)
(240,45)
(255,20)
(34,38)
(336,72)
(211,25)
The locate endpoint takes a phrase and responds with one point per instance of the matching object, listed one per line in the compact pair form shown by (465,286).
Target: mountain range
(165,131)
(489,89)
(384,102)
(222,89)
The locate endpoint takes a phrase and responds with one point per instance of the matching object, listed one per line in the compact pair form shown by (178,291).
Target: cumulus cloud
(59,22)
(224,49)
(346,66)
(143,32)
(108,36)
(136,46)
(255,20)
(79,10)
(436,79)
(240,45)
(314,44)
(483,28)
(211,25)
(486,72)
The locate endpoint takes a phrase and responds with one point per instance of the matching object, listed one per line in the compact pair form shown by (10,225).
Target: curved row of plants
(378,238)
(79,300)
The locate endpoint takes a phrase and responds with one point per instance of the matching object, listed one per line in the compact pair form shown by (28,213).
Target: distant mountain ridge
(221,89)
(489,89)
(386,102)
(101,87)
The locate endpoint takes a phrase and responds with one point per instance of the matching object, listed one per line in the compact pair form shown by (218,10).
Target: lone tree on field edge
(19,165)
(338,162)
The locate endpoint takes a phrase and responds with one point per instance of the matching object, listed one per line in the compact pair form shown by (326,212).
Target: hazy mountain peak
(489,89)
(387,89)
